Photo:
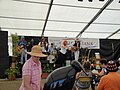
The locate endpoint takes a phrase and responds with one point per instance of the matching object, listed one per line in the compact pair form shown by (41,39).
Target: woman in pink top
(31,71)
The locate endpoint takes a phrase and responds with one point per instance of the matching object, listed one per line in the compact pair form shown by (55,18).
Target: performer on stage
(61,60)
(22,45)
(76,48)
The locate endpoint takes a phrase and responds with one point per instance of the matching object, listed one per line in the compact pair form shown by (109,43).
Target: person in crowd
(22,48)
(118,65)
(32,71)
(76,47)
(103,66)
(97,75)
(111,81)
(86,84)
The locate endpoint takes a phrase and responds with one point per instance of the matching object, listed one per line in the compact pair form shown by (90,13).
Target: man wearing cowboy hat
(31,71)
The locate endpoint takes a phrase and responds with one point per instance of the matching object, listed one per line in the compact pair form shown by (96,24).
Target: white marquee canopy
(61,18)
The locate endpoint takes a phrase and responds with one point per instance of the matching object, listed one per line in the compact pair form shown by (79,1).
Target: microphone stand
(113,53)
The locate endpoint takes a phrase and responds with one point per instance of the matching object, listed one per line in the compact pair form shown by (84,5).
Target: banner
(55,40)
(90,43)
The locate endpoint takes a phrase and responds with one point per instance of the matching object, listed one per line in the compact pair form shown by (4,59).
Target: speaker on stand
(4,57)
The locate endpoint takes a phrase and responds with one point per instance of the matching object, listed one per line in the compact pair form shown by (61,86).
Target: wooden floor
(13,85)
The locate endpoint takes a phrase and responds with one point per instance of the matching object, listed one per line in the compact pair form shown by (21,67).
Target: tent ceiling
(67,18)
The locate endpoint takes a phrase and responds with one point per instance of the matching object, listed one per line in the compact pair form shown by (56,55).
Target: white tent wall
(10,46)
(66,19)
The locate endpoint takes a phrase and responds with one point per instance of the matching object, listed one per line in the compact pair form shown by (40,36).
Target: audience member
(84,85)
(103,68)
(118,65)
(97,75)
(32,71)
(111,81)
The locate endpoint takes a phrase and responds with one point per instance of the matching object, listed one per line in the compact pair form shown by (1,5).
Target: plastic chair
(83,82)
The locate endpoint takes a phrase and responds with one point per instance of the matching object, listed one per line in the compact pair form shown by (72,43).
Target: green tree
(15,39)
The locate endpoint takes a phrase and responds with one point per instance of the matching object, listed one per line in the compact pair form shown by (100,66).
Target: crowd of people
(107,77)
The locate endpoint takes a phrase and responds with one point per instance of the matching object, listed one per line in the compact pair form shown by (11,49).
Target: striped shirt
(33,70)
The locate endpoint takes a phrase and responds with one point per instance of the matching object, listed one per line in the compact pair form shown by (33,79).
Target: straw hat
(36,51)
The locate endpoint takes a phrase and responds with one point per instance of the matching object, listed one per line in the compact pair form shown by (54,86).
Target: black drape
(110,48)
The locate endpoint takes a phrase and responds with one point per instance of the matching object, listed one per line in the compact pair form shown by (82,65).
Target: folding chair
(83,82)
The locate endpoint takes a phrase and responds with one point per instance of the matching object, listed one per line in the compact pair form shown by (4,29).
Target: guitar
(74,48)
(19,49)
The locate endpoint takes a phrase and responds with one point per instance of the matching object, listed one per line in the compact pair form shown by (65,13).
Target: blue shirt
(24,43)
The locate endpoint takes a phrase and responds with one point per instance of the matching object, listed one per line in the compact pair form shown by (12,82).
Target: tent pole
(51,3)
(95,17)
(113,33)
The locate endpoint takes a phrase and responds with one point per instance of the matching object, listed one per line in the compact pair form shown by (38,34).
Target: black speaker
(4,43)
(4,60)
(4,64)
